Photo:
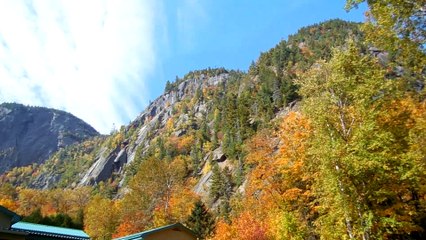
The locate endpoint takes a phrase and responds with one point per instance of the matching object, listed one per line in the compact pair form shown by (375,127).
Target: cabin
(12,228)
(175,231)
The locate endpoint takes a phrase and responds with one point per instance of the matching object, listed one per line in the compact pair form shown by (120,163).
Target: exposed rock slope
(217,110)
(149,123)
(31,134)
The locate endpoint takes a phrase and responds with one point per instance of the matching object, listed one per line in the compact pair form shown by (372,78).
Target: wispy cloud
(190,14)
(91,58)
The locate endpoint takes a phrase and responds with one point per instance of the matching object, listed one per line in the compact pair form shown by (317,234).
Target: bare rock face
(149,123)
(218,155)
(32,134)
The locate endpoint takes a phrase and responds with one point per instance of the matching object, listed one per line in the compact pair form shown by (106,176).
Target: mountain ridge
(29,135)
(321,138)
(268,78)
(193,100)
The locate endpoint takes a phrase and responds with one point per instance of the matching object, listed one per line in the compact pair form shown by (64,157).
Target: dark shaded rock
(105,165)
(31,134)
(180,132)
(102,169)
(153,111)
(218,155)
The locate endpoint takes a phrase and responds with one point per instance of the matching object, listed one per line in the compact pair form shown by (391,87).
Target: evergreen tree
(195,158)
(225,206)
(34,217)
(161,148)
(60,220)
(201,220)
(217,183)
(169,86)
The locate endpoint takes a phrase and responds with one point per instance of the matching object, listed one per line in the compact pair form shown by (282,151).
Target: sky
(105,60)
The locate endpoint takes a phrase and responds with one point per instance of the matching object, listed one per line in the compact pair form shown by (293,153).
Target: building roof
(14,217)
(49,231)
(141,235)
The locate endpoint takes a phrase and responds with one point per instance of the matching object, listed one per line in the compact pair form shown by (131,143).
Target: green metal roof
(15,217)
(50,231)
(141,235)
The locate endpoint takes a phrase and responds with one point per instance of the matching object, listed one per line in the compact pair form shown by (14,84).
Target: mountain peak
(30,134)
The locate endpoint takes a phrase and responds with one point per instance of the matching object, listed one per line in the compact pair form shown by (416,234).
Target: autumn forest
(323,138)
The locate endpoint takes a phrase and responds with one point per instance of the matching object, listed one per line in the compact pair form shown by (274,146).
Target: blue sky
(104,60)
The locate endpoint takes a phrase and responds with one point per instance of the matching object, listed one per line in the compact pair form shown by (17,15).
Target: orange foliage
(223,231)
(181,204)
(243,227)
(182,144)
(185,143)
(279,182)
(250,228)
(125,228)
(29,200)
(9,204)
(175,209)
(279,175)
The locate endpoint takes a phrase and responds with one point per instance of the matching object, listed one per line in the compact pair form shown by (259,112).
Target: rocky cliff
(205,117)
(149,124)
(31,134)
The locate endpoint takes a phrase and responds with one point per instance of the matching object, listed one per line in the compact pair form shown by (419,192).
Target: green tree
(366,179)
(201,220)
(196,158)
(217,183)
(227,185)
(168,87)
(398,27)
(34,217)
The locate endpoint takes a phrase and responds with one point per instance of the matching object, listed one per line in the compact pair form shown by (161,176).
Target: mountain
(322,138)
(214,110)
(30,135)
(193,139)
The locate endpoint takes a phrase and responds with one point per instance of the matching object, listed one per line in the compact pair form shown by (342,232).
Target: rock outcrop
(149,122)
(31,134)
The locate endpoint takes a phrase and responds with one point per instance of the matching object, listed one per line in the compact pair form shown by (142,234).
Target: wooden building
(171,232)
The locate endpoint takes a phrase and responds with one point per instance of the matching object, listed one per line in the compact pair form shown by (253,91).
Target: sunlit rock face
(149,123)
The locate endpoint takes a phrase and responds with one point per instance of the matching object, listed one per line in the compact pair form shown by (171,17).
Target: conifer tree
(217,183)
(168,87)
(34,217)
(201,220)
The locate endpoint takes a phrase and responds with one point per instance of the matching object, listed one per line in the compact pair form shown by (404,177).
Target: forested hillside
(323,138)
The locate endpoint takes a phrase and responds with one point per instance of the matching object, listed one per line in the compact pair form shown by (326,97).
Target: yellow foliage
(278,190)
(101,218)
(207,167)
(185,143)
(223,231)
(207,146)
(170,125)
(118,139)
(181,203)
(9,204)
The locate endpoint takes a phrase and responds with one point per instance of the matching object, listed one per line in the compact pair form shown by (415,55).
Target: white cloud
(189,15)
(91,58)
